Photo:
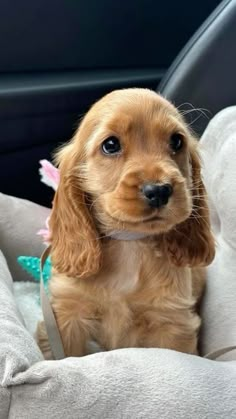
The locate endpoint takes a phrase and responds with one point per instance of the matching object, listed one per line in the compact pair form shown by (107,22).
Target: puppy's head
(133,166)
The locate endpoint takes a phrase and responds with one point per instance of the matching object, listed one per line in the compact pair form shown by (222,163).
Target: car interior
(58,58)
(66,269)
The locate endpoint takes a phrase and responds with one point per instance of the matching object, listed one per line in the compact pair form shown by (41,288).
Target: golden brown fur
(136,293)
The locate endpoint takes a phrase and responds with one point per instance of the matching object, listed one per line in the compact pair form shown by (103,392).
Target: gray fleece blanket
(129,383)
(132,383)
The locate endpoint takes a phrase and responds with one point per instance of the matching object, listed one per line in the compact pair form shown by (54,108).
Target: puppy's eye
(176,142)
(111,146)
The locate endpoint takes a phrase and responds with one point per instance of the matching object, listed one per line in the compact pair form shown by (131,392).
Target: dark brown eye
(176,142)
(111,146)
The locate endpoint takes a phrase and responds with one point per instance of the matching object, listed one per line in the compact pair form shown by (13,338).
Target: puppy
(130,230)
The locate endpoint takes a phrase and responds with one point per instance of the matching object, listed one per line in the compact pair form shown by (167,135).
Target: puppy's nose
(157,195)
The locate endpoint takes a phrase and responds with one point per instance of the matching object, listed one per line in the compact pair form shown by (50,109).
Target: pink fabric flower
(49,174)
(44,232)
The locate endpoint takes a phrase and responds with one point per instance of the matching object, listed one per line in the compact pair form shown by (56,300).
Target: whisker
(203,112)
(94,202)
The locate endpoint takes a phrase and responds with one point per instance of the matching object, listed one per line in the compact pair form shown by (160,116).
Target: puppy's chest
(138,275)
(129,267)
(121,271)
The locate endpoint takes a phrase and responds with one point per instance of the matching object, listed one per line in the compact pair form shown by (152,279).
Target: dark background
(57,57)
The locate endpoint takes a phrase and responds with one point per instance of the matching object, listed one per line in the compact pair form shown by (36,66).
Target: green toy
(32,265)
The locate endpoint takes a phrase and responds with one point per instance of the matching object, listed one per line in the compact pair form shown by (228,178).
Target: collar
(127,235)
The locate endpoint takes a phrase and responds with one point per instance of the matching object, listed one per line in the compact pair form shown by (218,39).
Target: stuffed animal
(50,176)
(31,265)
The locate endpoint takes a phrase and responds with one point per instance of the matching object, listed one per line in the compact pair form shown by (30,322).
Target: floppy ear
(75,245)
(191,243)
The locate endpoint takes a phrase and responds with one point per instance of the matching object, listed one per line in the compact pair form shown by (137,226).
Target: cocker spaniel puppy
(130,230)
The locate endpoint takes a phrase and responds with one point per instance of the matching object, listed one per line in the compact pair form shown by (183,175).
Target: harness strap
(53,333)
(219,352)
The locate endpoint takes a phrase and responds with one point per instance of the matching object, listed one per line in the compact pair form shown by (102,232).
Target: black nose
(157,195)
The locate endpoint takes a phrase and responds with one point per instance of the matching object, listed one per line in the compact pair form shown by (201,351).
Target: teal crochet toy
(32,265)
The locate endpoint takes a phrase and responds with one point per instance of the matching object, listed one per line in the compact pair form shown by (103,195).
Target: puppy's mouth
(151,219)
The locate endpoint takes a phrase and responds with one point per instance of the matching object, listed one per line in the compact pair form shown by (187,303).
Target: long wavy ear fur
(191,243)
(76,249)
